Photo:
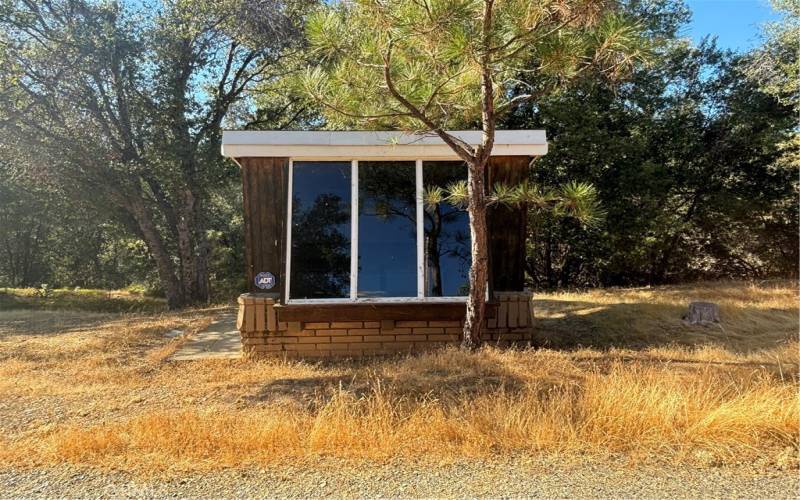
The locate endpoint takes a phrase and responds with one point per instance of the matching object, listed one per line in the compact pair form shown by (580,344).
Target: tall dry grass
(642,411)
(119,405)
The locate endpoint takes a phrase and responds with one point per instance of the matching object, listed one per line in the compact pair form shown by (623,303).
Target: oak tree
(122,104)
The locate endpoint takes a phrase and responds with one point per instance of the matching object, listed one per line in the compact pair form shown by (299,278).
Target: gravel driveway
(516,478)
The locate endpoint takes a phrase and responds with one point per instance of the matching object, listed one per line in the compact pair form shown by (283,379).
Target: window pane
(387,241)
(320,266)
(447,241)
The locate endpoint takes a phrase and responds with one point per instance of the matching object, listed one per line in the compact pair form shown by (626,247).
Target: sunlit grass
(79,299)
(755,316)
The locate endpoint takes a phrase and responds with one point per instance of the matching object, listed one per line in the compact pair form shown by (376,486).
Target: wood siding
(507,228)
(265,184)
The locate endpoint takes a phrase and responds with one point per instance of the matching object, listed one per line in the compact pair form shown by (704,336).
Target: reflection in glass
(447,240)
(387,246)
(320,266)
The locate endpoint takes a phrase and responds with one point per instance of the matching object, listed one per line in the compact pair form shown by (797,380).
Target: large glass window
(365,230)
(320,258)
(447,240)
(387,232)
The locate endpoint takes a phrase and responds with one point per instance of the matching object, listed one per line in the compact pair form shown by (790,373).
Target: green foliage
(775,66)
(576,200)
(691,160)
(579,200)
(49,236)
(434,53)
(433,196)
(508,195)
(120,105)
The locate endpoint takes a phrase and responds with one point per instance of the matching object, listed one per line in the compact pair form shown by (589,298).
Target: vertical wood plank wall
(264,184)
(507,227)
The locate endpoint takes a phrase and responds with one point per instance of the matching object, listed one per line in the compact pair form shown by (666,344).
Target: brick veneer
(263,335)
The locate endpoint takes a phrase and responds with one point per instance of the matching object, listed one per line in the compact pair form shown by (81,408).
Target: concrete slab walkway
(220,340)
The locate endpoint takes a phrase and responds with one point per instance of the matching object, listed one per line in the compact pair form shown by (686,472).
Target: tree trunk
(203,250)
(155,244)
(199,286)
(201,281)
(193,248)
(479,270)
(186,244)
(548,260)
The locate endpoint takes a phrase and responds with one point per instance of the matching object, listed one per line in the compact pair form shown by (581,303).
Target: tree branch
(487,87)
(461,148)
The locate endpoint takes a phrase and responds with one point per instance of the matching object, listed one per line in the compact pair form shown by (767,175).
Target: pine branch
(461,148)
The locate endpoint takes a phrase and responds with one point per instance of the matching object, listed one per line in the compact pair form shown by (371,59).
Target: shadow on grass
(24,311)
(639,326)
(80,300)
(445,375)
(309,391)
(52,323)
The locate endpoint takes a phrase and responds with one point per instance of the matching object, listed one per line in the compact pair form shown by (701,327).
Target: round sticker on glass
(265,280)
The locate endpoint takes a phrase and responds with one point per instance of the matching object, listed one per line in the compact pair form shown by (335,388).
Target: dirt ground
(501,478)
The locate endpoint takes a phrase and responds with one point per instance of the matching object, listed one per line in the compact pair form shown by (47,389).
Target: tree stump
(702,313)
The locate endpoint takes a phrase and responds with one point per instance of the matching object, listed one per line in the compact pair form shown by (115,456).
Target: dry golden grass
(80,299)
(106,395)
(755,316)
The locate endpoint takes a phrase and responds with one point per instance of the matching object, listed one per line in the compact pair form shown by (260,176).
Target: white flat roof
(363,144)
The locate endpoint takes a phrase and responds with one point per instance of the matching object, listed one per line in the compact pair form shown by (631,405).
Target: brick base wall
(263,335)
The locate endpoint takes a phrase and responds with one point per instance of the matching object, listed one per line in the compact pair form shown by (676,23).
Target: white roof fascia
(365,145)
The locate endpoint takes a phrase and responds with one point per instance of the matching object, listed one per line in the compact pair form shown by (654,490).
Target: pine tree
(433,65)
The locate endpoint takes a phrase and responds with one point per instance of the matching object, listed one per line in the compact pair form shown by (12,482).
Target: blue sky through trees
(735,22)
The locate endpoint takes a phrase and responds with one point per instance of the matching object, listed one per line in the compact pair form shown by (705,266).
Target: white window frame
(353,295)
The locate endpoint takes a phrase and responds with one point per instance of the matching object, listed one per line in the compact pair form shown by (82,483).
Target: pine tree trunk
(479,270)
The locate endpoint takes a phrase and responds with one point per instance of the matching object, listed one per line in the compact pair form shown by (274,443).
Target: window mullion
(287,279)
(354,230)
(420,231)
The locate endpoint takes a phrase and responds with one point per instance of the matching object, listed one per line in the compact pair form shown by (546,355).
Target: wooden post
(507,227)
(265,185)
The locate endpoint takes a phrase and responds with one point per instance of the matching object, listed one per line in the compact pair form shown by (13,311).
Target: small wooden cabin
(349,252)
